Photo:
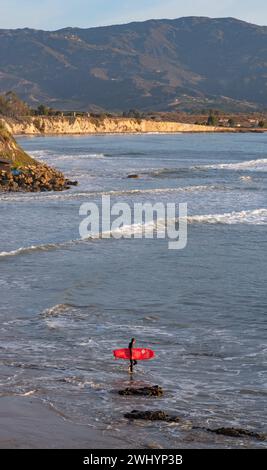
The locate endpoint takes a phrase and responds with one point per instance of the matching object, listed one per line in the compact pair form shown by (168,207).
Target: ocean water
(67,303)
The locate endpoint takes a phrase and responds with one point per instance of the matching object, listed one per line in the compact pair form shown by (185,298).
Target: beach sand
(27,423)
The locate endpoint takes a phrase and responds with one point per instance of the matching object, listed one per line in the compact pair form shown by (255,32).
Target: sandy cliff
(87,125)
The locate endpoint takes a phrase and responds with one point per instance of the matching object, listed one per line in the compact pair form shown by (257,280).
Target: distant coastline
(58,125)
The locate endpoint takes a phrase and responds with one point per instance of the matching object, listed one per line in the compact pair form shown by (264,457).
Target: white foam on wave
(250,217)
(40,248)
(258,164)
(112,193)
(49,155)
(254,217)
(95,155)
(74,157)
(161,190)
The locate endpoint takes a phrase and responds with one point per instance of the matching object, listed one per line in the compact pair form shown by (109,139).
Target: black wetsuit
(133,362)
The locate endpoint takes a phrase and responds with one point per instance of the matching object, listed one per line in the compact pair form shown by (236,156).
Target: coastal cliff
(20,172)
(89,125)
(11,151)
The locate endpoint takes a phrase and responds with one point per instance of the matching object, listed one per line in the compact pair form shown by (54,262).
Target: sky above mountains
(55,14)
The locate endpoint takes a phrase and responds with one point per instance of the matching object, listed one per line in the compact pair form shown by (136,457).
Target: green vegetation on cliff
(10,150)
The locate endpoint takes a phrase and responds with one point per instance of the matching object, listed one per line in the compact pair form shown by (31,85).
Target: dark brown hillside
(157,64)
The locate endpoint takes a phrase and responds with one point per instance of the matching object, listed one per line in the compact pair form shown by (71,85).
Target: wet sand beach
(26,423)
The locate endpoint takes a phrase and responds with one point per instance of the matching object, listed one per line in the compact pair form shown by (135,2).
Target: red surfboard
(139,354)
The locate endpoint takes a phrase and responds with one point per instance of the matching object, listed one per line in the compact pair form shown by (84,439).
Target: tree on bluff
(12,106)
(212,120)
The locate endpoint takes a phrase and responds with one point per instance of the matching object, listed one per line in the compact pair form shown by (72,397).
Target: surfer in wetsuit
(133,362)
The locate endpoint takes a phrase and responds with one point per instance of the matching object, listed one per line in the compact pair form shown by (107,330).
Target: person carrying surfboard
(133,354)
(133,362)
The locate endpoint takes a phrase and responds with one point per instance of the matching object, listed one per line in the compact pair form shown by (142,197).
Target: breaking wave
(250,217)
(254,217)
(259,164)
(40,248)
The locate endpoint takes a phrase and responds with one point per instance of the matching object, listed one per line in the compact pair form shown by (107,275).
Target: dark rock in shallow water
(152,416)
(154,391)
(133,176)
(234,432)
(162,416)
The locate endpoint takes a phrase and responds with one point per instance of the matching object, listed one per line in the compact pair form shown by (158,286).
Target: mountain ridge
(151,20)
(188,62)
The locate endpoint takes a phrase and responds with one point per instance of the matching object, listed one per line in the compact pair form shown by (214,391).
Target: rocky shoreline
(156,391)
(20,172)
(159,415)
(34,178)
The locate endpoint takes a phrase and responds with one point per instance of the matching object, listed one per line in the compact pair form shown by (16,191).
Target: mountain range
(187,63)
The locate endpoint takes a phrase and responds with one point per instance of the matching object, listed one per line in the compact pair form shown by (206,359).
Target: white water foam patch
(259,164)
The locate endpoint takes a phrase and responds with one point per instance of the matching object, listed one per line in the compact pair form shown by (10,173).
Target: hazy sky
(55,14)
